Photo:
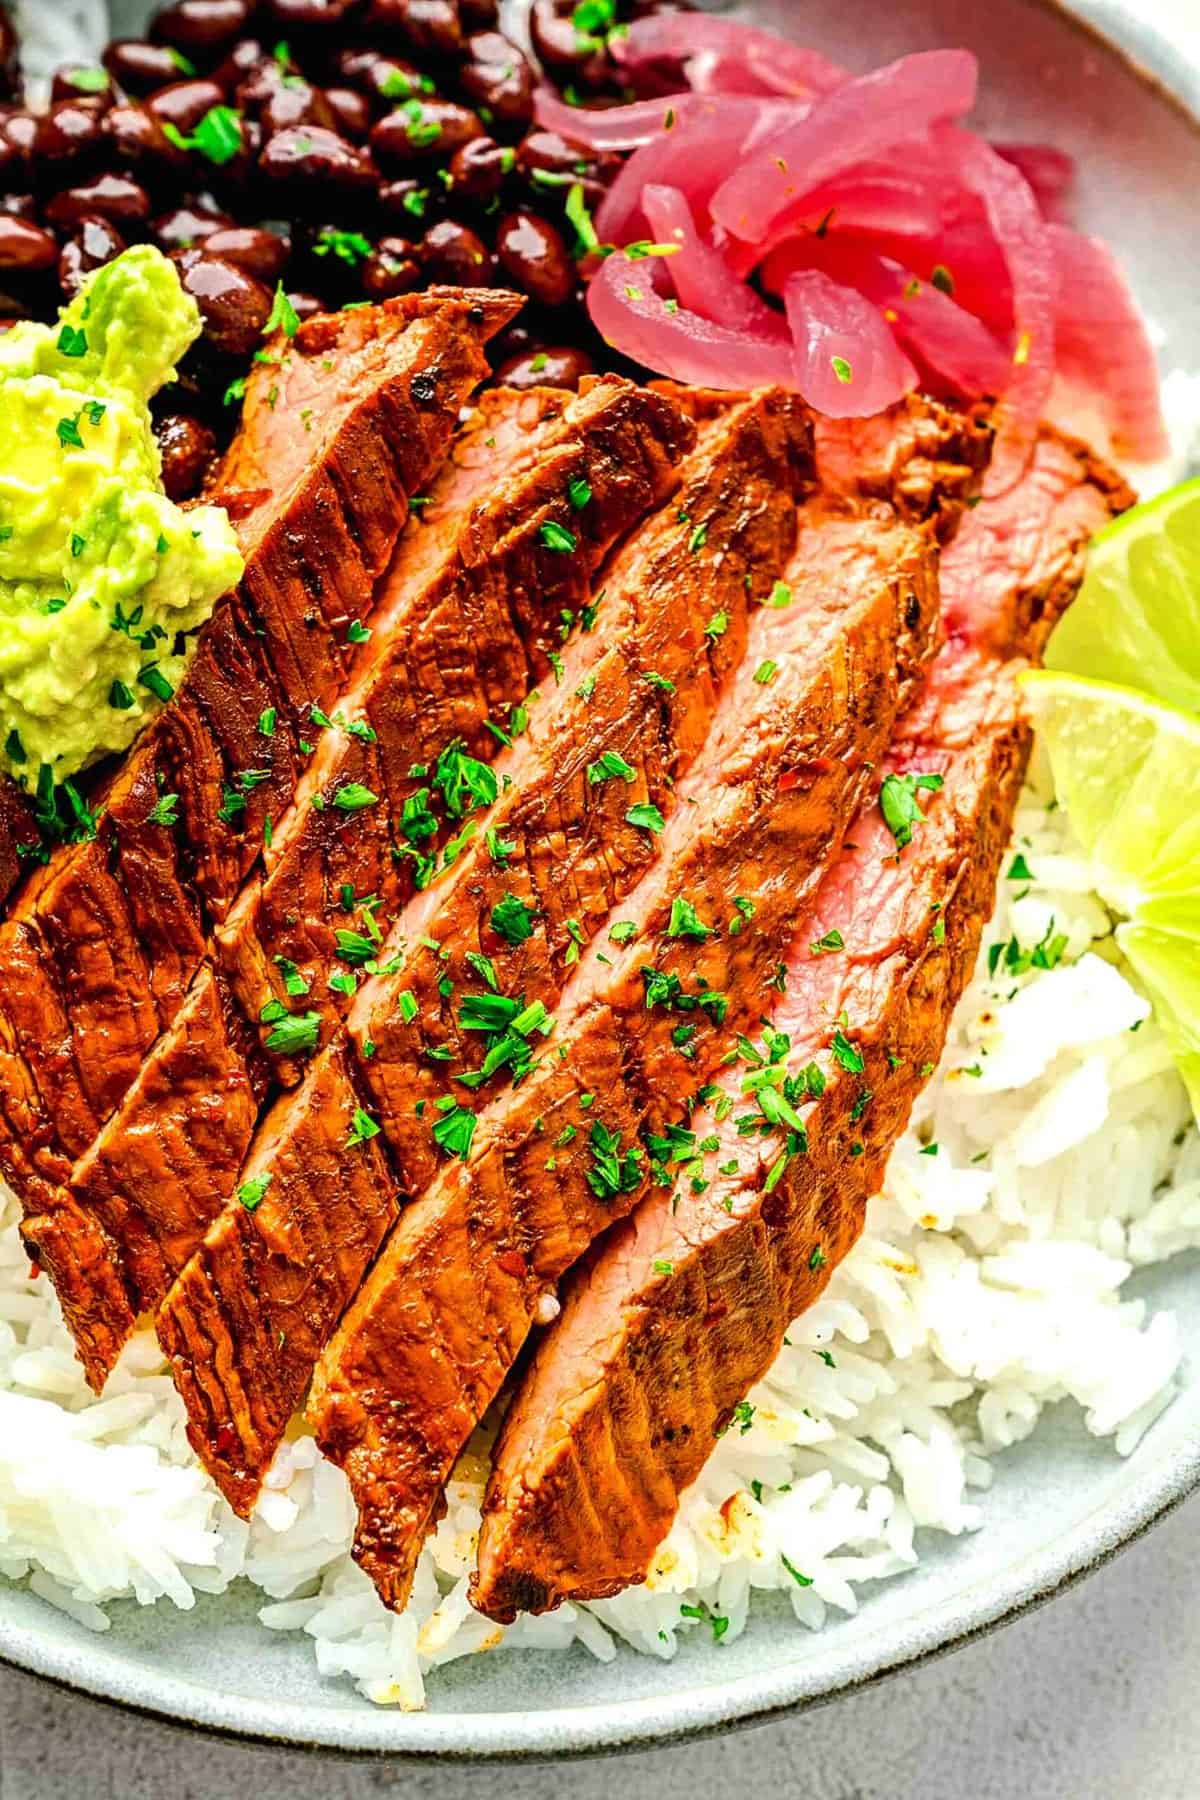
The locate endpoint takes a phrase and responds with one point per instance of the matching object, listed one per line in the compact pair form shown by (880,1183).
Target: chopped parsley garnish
(252,1191)
(1019,870)
(350,247)
(899,805)
(453,1131)
(717,626)
(586,238)
(612,1170)
(512,919)
(685,921)
(645,816)
(579,492)
(698,539)
(832,940)
(164,811)
(293,1034)
(406,1004)
(780,595)
(357,632)
(14,749)
(267,721)
(72,341)
(800,1580)
(120,696)
(363,1128)
(765,671)
(623,932)
(842,369)
(68,433)
(218,136)
(353,797)
(609,767)
(846,1054)
(284,316)
(154,679)
(557,537)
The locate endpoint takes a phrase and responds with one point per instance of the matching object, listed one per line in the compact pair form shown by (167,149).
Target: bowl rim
(707,1707)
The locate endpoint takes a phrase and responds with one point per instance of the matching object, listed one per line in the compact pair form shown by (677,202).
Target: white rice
(987,1286)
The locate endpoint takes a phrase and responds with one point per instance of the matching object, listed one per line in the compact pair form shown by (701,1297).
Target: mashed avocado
(101,576)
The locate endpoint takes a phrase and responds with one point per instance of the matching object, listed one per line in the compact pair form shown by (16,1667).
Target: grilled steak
(99,952)
(18,834)
(741,481)
(483,566)
(683,1306)
(440,1320)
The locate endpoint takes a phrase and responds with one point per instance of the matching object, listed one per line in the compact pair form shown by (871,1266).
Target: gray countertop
(1091,1698)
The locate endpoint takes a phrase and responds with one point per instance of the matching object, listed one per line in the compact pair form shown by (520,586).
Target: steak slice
(440,1320)
(466,647)
(98,954)
(741,481)
(485,563)
(683,1307)
(18,835)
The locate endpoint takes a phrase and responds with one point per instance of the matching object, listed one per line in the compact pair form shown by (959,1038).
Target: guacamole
(102,578)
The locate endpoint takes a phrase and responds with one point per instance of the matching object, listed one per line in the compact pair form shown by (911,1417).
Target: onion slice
(863,119)
(702,279)
(694,153)
(1018,228)
(609,128)
(1102,343)
(633,316)
(848,364)
(778,66)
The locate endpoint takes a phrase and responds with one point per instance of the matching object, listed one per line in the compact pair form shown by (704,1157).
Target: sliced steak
(457,655)
(18,835)
(683,1307)
(98,954)
(478,561)
(423,1350)
(741,482)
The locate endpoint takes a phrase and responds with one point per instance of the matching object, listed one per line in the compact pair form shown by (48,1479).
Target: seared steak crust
(441,1318)
(463,590)
(745,472)
(98,954)
(683,1307)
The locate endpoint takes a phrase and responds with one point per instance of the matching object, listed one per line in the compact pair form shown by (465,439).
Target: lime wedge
(1137,618)
(1127,769)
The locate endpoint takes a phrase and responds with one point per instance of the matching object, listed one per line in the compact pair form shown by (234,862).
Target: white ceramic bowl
(1130,111)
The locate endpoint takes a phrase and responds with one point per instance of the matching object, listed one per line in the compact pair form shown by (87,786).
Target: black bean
(559,367)
(351,113)
(295,102)
(188,225)
(431,26)
(262,254)
(455,254)
(478,169)
(24,247)
(559,43)
(202,28)
(139,68)
(317,14)
(497,76)
(188,452)
(478,15)
(533,254)
(423,131)
(136,139)
(115,197)
(305,305)
(308,159)
(410,202)
(392,269)
(235,307)
(246,56)
(93,243)
(66,137)
(82,81)
(185,103)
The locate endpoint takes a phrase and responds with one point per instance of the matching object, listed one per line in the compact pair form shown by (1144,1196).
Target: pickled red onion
(847,362)
(863,119)
(774,64)
(1102,344)
(629,312)
(701,277)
